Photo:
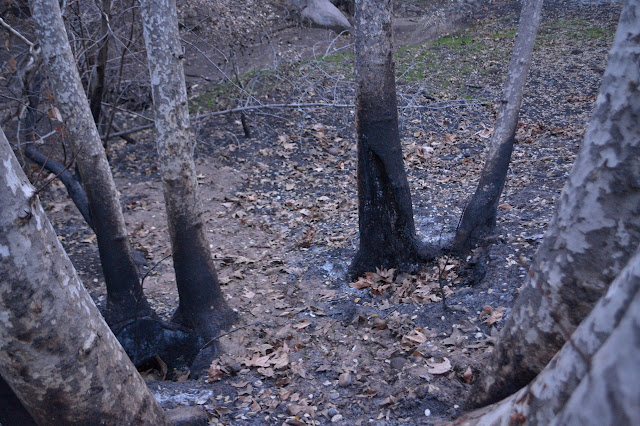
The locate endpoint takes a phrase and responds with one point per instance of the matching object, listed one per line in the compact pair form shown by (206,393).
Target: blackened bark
(386,226)
(594,231)
(202,305)
(31,151)
(56,352)
(12,412)
(97,83)
(479,216)
(125,299)
(594,376)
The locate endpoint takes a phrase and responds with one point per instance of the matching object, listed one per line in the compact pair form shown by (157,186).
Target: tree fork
(479,217)
(125,298)
(56,352)
(593,233)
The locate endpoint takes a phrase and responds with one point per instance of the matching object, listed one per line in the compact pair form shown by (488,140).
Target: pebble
(334,395)
(332,411)
(336,418)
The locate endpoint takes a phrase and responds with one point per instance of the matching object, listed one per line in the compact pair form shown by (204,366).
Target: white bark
(480,214)
(594,231)
(124,290)
(56,352)
(202,304)
(595,378)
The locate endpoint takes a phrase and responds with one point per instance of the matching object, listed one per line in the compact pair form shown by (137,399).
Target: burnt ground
(281,215)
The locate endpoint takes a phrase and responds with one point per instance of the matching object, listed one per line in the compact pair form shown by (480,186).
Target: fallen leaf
(303,324)
(468,375)
(440,367)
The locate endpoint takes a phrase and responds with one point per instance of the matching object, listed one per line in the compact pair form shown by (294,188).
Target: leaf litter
(281,216)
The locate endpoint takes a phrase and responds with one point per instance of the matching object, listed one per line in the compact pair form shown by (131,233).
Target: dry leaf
(468,375)
(302,324)
(415,337)
(495,316)
(440,368)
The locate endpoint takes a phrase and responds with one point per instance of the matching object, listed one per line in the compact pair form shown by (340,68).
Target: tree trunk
(387,231)
(32,89)
(479,217)
(125,299)
(56,352)
(11,409)
(595,376)
(97,82)
(202,305)
(594,231)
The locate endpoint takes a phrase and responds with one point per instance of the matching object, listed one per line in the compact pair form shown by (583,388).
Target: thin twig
(16,33)
(210,342)
(440,281)
(438,105)
(153,267)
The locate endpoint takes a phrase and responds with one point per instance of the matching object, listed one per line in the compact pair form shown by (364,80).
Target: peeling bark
(202,305)
(124,292)
(386,226)
(56,352)
(592,235)
(479,216)
(595,376)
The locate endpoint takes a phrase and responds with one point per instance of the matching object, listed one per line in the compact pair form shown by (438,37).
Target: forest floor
(281,215)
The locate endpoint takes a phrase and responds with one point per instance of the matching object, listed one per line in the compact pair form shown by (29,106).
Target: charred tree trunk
(72,184)
(594,231)
(125,299)
(202,305)
(479,216)
(56,352)
(11,409)
(387,231)
(595,376)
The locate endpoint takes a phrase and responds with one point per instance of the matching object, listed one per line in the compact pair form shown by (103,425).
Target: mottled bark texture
(124,292)
(594,377)
(56,352)
(202,305)
(386,227)
(593,233)
(479,216)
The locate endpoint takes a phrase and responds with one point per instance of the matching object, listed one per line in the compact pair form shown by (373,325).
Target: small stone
(427,412)
(188,416)
(397,362)
(333,151)
(336,418)
(344,380)
(332,411)
(334,395)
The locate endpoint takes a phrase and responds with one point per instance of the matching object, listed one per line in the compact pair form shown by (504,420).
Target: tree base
(145,338)
(408,260)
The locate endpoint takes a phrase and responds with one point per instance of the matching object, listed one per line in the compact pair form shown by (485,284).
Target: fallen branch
(437,105)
